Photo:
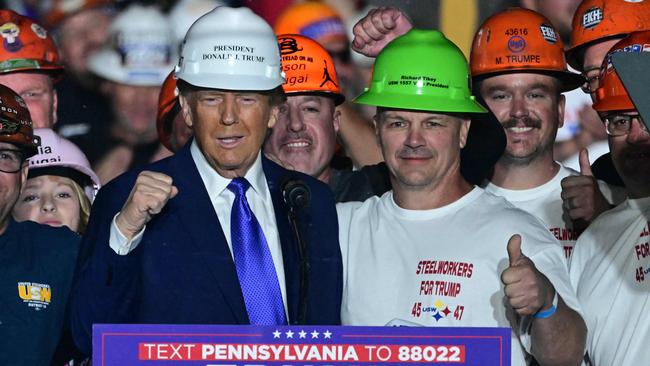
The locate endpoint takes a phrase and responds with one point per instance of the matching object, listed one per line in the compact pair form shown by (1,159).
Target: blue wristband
(547,313)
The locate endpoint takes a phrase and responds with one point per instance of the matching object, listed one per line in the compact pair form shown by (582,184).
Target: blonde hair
(84,206)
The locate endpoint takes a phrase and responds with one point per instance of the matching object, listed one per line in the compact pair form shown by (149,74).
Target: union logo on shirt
(36,295)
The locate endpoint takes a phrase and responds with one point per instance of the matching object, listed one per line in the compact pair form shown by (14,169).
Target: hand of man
(149,195)
(580,193)
(528,290)
(375,30)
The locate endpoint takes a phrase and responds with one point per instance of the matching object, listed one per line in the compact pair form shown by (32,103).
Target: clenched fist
(149,195)
(375,30)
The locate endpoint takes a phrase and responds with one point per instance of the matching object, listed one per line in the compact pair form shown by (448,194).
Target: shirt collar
(216,184)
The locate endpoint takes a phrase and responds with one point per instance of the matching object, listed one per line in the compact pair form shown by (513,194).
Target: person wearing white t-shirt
(437,251)
(526,96)
(610,267)
(524,92)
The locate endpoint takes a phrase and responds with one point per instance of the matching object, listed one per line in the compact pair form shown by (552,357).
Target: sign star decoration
(302,334)
(289,334)
(314,334)
(327,334)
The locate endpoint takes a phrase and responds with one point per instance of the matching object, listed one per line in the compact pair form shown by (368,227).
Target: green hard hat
(421,70)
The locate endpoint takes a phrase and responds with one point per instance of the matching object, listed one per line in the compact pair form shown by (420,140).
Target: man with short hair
(204,237)
(523,88)
(609,267)
(38,261)
(29,65)
(444,239)
(304,137)
(521,83)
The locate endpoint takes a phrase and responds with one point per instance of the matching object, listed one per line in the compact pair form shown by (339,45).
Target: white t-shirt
(610,269)
(545,203)
(440,267)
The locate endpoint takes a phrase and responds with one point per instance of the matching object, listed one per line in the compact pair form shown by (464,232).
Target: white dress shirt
(259,200)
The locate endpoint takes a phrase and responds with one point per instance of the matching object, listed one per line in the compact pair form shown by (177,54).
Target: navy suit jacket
(183,272)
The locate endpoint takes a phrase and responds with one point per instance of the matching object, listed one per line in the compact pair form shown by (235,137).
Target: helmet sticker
(289,45)
(39,31)
(8,127)
(10,31)
(548,33)
(516,44)
(327,78)
(592,17)
(20,101)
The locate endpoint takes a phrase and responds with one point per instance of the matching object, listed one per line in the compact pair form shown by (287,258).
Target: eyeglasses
(591,84)
(11,160)
(620,124)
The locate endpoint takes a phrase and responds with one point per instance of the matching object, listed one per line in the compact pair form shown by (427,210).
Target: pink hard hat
(59,156)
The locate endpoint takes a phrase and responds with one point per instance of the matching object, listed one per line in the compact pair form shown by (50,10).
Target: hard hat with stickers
(230,48)
(520,40)
(421,70)
(141,50)
(611,94)
(26,46)
(597,20)
(308,67)
(313,19)
(15,122)
(58,156)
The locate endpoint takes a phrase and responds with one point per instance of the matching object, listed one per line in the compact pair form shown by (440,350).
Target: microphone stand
(303,267)
(297,196)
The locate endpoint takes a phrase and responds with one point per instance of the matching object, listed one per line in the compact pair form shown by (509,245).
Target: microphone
(296,194)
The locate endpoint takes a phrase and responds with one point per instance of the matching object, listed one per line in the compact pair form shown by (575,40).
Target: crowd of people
(205,164)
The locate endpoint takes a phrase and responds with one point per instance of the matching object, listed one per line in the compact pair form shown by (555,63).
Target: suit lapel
(274,178)
(195,211)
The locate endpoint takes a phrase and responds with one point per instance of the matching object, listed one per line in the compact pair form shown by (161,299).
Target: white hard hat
(230,48)
(140,50)
(186,12)
(55,152)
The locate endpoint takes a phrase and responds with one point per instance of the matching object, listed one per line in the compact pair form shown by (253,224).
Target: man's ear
(463,132)
(273,116)
(186,110)
(561,103)
(336,120)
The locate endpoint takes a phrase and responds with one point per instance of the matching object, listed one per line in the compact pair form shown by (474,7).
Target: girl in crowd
(60,184)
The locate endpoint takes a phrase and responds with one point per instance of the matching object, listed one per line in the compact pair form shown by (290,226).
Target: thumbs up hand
(528,290)
(580,193)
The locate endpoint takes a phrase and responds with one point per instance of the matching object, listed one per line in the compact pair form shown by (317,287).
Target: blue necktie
(255,269)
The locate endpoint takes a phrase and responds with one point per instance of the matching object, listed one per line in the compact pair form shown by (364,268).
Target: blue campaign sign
(234,345)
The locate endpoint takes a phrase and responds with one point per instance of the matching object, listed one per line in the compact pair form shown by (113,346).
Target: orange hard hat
(62,9)
(26,46)
(308,68)
(519,39)
(313,19)
(611,95)
(168,108)
(15,122)
(599,20)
